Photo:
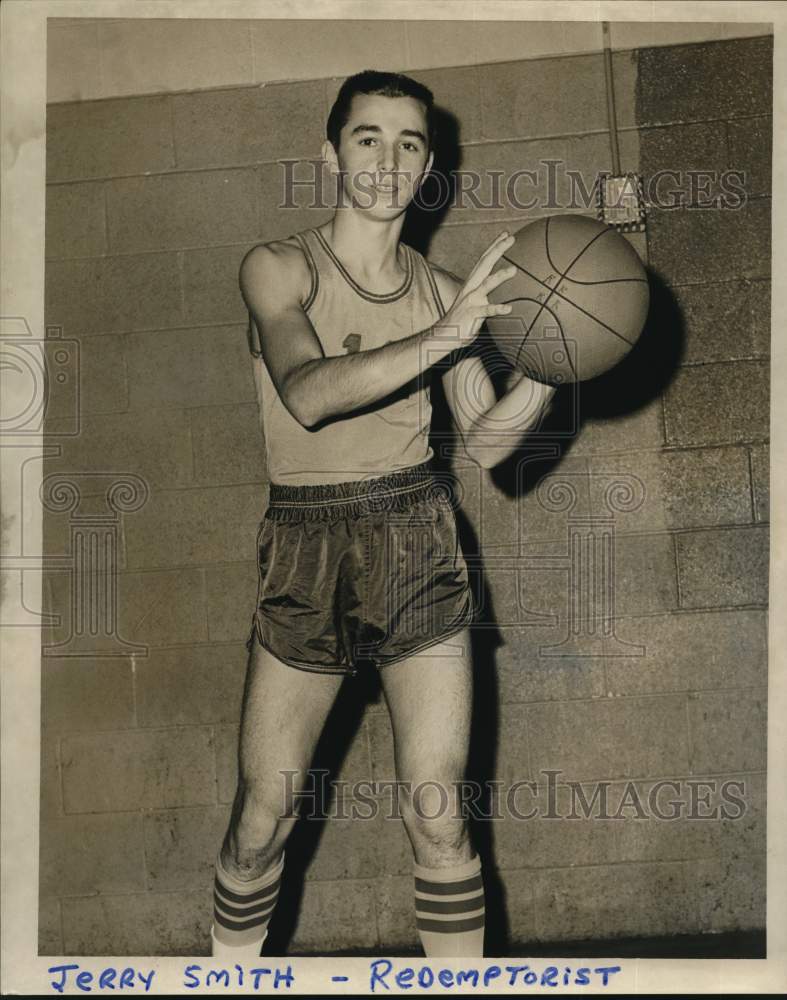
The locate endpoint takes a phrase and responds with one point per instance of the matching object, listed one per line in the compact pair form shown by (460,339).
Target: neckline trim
(363,292)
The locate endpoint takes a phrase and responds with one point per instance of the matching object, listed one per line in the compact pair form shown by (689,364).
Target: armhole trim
(313,272)
(435,290)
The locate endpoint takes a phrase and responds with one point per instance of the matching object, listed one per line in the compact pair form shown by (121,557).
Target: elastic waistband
(325,501)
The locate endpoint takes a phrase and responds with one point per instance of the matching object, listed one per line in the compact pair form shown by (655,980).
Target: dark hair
(372,81)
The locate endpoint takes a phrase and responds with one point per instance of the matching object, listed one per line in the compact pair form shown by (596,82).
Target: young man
(358,552)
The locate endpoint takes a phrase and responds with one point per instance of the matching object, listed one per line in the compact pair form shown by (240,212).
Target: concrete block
(211,293)
(333,47)
(153,609)
(513,762)
(75,222)
(689,246)
(717,80)
(723,322)
(381,747)
(181,847)
(456,89)
(210,365)
(84,695)
(457,248)
(527,673)
(249,125)
(691,652)
(704,405)
(681,489)
(723,567)
(543,97)
(497,40)
(73,67)
(154,445)
(395,906)
(697,147)
(111,138)
(644,34)
(645,578)
(194,527)
(609,901)
(59,525)
(520,908)
(522,181)
(751,151)
(114,294)
(50,931)
(632,431)
(50,797)
(533,505)
(231,599)
(294,196)
(143,923)
(336,916)
(394,847)
(761,482)
(161,54)
(225,740)
(731,893)
(728,731)
(153,769)
(557,836)
(102,380)
(229,445)
(91,854)
(528,589)
(163,608)
(349,846)
(190,685)
(624,75)
(356,765)
(761,310)
(714,817)
(632,737)
(157,213)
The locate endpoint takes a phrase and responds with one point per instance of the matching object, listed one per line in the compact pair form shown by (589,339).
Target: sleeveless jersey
(384,436)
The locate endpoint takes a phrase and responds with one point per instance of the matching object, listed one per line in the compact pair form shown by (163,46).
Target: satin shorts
(365,571)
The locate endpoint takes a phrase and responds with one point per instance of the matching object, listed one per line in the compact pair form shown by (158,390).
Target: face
(383,154)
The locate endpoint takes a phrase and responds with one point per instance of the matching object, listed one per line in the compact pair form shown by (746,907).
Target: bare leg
(429,696)
(284,710)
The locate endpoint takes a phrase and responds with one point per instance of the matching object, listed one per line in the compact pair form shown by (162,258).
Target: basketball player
(358,554)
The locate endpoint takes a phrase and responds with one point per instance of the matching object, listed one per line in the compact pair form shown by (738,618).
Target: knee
(260,823)
(433,818)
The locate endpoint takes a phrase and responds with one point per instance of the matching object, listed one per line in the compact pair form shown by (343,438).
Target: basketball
(579,299)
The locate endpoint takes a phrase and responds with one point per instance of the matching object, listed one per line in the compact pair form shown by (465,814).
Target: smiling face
(383,154)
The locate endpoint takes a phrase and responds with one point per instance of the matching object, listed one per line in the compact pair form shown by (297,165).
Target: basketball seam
(560,328)
(578,281)
(551,293)
(554,289)
(573,262)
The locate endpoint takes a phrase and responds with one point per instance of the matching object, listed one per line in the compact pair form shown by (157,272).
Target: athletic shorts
(367,571)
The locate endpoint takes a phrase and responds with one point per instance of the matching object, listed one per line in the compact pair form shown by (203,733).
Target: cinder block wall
(151,203)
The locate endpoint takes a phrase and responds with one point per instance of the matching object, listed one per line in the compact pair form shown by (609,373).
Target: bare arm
(491,429)
(274,282)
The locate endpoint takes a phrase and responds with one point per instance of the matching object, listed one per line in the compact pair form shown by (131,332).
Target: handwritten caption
(383,976)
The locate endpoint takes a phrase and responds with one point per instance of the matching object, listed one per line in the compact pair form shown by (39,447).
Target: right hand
(471,307)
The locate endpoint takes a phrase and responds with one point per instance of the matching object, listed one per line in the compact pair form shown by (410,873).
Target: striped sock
(241,911)
(449,909)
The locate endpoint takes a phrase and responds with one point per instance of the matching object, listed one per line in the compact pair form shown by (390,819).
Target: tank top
(382,437)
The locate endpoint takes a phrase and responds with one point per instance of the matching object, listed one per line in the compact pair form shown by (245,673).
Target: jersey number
(352,342)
